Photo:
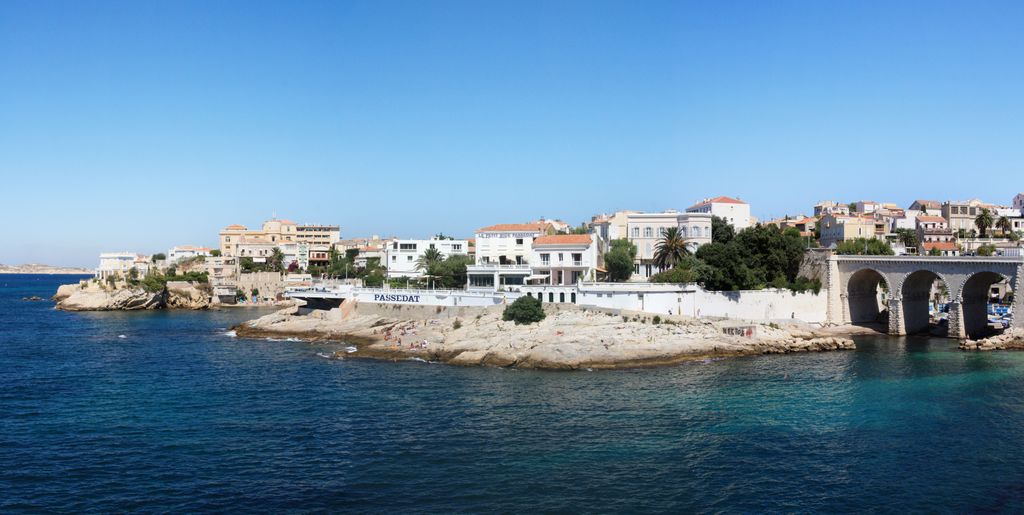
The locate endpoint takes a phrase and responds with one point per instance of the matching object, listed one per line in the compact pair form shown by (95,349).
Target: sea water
(168,411)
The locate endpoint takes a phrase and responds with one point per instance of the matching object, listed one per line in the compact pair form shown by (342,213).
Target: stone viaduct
(854,283)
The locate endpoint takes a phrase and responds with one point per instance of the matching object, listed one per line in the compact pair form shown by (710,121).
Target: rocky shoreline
(569,338)
(1010,339)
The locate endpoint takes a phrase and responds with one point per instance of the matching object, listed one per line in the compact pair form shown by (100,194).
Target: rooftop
(531,227)
(717,200)
(563,239)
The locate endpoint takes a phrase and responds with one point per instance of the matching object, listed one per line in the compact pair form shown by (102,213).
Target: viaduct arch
(857,286)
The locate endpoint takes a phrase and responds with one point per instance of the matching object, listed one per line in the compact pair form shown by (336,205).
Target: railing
(495,266)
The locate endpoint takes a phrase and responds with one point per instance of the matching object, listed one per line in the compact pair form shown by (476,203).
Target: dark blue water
(176,416)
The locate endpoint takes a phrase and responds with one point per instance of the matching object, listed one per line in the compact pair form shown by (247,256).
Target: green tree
(525,310)
(770,252)
(159,256)
(687,270)
(215,253)
(987,250)
(1004,225)
(721,230)
(429,257)
(670,249)
(935,252)
(133,274)
(983,221)
(726,268)
(907,236)
(581,229)
(619,260)
(864,247)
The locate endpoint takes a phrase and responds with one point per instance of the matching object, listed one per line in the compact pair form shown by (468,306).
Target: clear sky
(142,125)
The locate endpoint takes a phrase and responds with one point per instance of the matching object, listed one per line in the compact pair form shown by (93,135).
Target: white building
(867,206)
(564,259)
(734,211)
(1018,202)
(907,221)
(186,252)
(120,264)
(645,230)
(402,256)
(503,254)
(830,207)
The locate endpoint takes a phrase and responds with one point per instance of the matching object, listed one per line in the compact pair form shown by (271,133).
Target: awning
(538,276)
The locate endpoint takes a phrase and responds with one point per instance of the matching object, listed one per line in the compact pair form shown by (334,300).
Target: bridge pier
(897,326)
(956,321)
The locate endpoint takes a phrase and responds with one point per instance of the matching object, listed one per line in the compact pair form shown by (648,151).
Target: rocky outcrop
(185,295)
(567,339)
(91,296)
(125,299)
(1009,339)
(65,290)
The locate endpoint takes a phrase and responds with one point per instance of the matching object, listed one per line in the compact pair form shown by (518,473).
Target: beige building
(838,228)
(645,230)
(238,239)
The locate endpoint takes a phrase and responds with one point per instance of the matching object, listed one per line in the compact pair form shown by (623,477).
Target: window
(683,231)
(696,232)
(648,232)
(636,232)
(408,258)
(457,246)
(573,298)
(551,297)
(577,259)
(545,259)
(561,297)
(560,258)
(662,231)
(431,245)
(407,246)
(519,241)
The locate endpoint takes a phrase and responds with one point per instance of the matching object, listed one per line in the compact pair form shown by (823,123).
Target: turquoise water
(177,416)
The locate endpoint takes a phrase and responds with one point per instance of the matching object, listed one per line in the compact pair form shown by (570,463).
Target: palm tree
(276,260)
(983,221)
(671,249)
(429,257)
(1004,225)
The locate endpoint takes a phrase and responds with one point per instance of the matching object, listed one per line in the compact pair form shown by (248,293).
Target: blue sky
(141,125)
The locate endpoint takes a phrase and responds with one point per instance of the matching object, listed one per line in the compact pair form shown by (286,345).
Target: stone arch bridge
(854,283)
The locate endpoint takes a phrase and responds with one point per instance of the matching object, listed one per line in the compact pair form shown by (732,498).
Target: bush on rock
(525,310)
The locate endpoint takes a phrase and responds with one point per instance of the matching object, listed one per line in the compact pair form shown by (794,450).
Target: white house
(564,259)
(734,211)
(185,252)
(645,230)
(121,263)
(402,255)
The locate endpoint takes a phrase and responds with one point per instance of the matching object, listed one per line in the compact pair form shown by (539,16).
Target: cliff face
(93,297)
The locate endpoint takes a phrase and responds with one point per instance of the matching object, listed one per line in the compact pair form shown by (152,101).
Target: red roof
(930,219)
(941,245)
(235,227)
(563,239)
(537,226)
(718,200)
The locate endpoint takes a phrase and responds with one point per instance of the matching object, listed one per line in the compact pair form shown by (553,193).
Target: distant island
(35,268)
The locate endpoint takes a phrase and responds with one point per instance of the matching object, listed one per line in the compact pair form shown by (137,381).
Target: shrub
(657,319)
(525,310)
(457,324)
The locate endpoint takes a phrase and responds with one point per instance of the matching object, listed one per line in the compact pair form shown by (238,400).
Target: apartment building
(120,264)
(838,228)
(503,253)
(645,230)
(277,232)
